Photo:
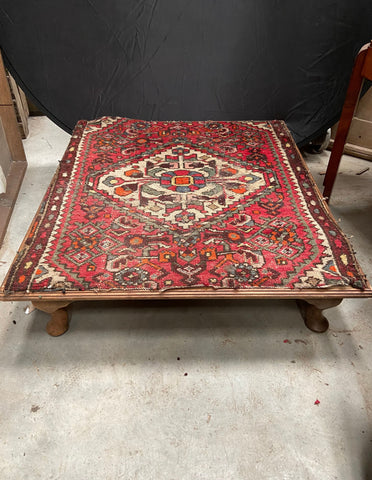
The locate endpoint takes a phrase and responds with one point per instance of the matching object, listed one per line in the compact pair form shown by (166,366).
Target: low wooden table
(183,210)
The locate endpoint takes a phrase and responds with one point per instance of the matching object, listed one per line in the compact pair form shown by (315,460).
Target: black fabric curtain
(186,59)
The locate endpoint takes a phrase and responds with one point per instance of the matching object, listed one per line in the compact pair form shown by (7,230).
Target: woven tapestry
(164,205)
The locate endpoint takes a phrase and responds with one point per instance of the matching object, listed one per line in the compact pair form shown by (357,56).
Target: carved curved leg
(58,323)
(311,311)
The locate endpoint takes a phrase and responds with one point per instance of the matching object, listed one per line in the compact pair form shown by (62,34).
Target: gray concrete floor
(110,399)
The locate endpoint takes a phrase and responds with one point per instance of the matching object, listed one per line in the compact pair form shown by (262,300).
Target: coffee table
(183,210)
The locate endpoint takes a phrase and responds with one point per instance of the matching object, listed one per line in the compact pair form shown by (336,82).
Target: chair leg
(351,100)
(335,159)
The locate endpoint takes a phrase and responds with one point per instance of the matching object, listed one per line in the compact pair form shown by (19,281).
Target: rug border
(326,207)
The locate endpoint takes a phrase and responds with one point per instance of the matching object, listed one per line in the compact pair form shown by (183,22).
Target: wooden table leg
(58,323)
(311,311)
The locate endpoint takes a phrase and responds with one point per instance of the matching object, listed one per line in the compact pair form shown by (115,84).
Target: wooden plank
(360,133)
(9,118)
(5,155)
(12,133)
(5,95)
(24,101)
(355,151)
(8,199)
(23,120)
(364,108)
(367,68)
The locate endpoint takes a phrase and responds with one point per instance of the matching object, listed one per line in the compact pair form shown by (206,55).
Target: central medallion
(183,181)
(180,185)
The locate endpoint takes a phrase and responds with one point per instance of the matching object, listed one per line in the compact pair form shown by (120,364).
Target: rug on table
(159,205)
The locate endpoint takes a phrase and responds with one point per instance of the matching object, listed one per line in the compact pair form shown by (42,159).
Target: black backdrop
(186,59)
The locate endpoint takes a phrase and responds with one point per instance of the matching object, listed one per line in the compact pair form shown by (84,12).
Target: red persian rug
(159,205)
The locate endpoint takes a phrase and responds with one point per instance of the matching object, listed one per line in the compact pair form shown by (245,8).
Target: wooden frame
(311,302)
(15,170)
(362,69)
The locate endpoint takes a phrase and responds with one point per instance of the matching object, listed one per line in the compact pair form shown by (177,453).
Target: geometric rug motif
(159,205)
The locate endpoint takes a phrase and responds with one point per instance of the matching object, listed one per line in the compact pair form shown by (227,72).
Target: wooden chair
(362,69)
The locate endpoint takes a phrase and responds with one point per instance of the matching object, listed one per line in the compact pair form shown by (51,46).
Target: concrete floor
(111,400)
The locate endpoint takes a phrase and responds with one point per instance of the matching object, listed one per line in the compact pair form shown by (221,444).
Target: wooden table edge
(190,293)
